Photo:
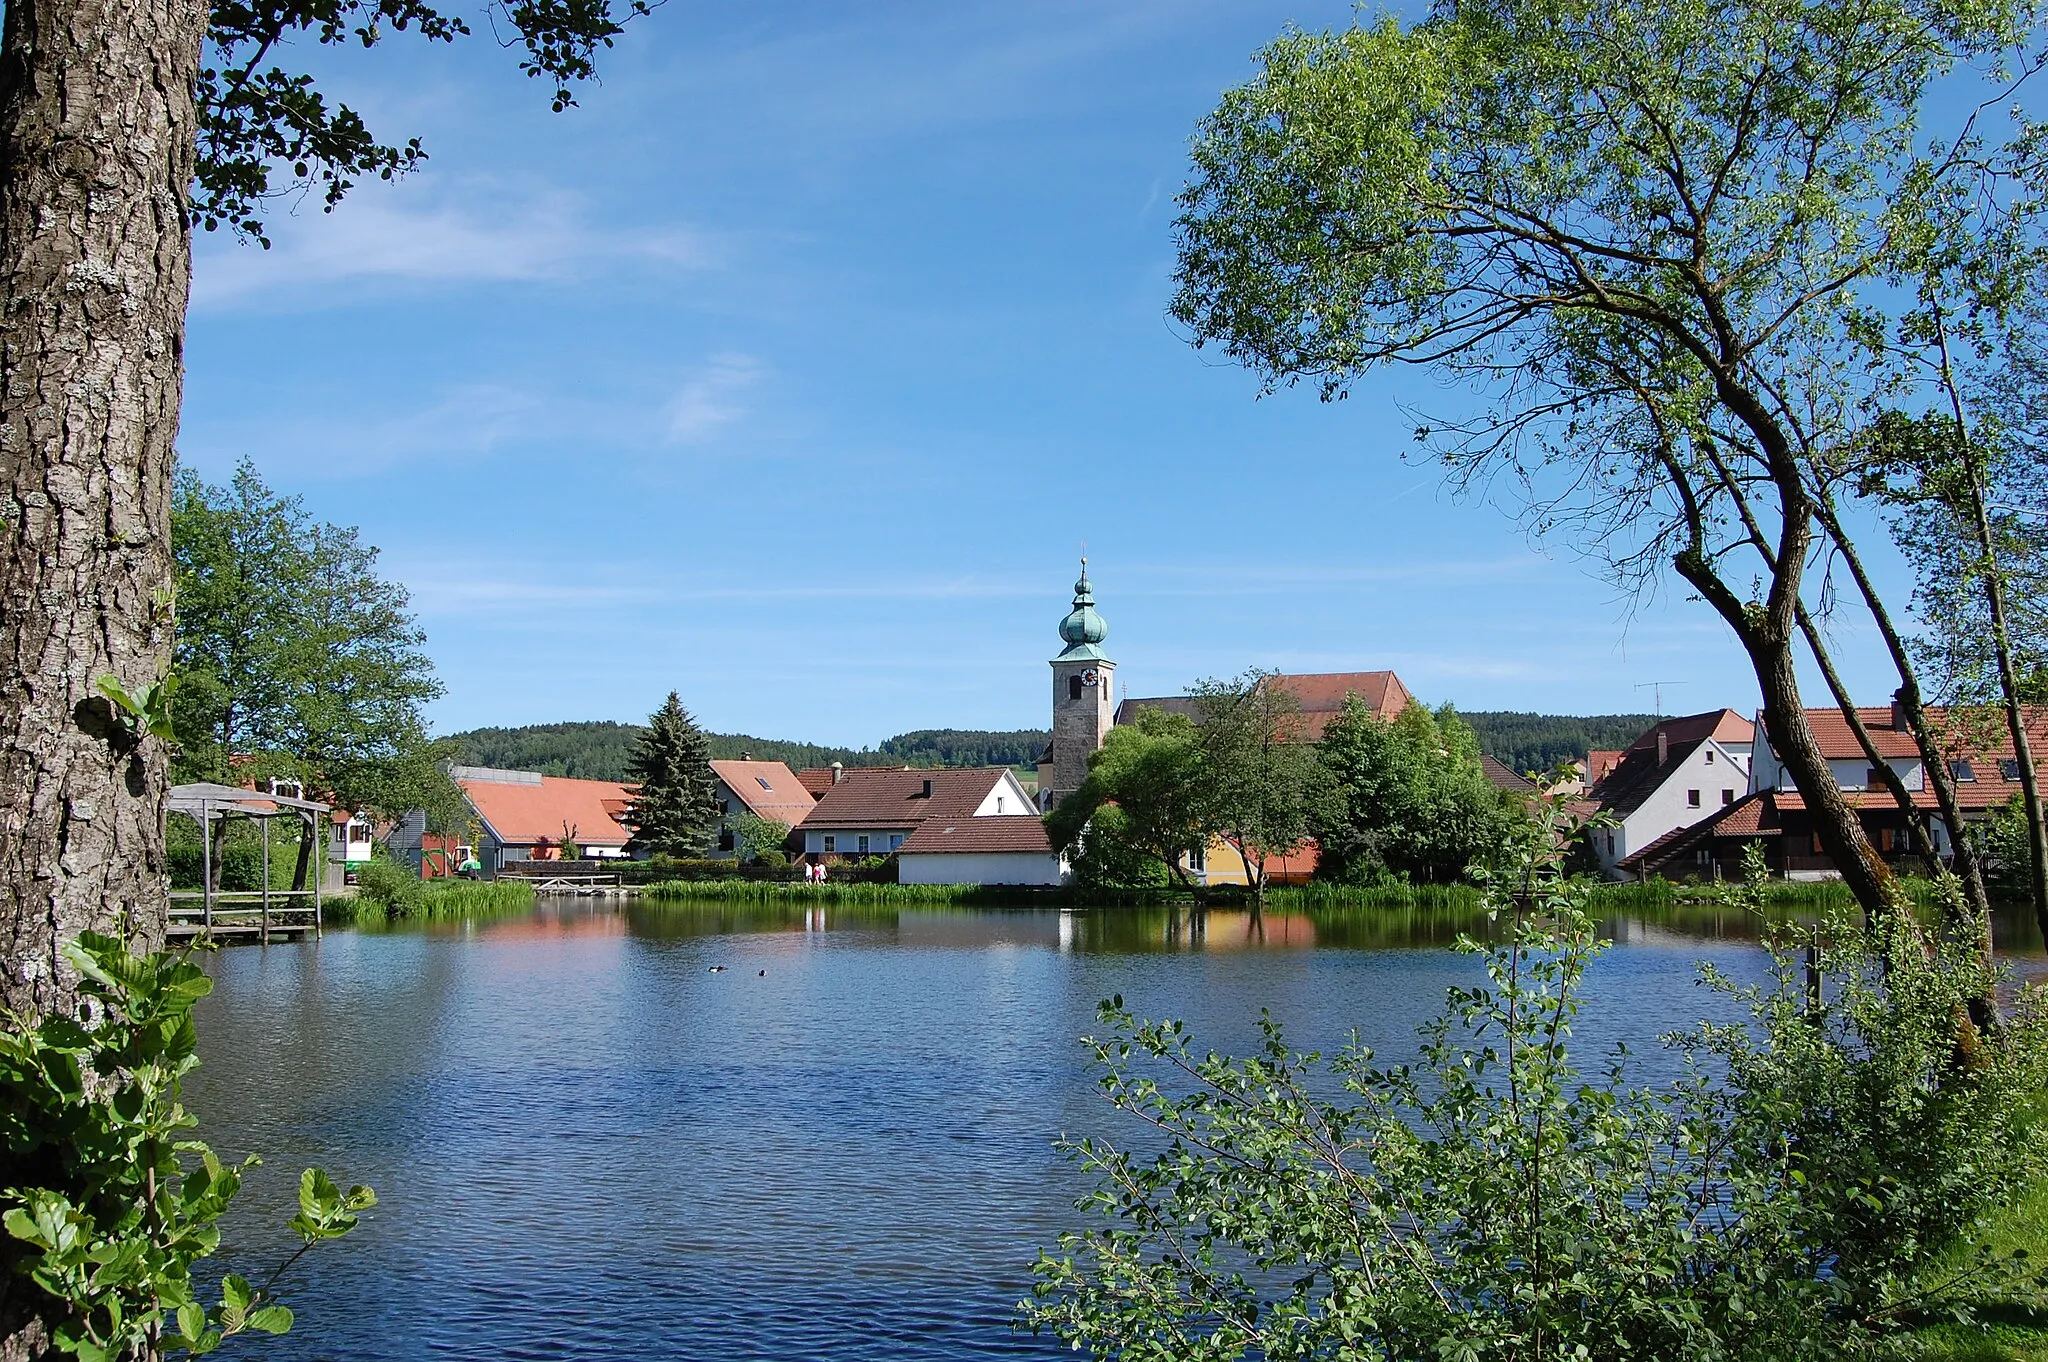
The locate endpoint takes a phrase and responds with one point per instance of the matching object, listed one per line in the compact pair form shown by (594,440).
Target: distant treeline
(601,749)
(1537,742)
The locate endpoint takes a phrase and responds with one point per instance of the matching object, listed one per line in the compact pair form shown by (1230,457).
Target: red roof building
(953,826)
(526,815)
(766,789)
(1320,695)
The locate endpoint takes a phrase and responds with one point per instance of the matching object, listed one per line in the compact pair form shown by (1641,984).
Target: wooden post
(206,866)
(263,932)
(319,864)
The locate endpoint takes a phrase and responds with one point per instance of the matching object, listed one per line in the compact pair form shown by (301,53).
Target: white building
(1679,772)
(972,826)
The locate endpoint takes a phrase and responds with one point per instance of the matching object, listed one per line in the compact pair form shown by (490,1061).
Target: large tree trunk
(97,143)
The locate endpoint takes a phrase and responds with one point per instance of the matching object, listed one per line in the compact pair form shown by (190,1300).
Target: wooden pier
(245,916)
(585,885)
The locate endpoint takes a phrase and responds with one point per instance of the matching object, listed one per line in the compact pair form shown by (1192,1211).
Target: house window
(1198,859)
(2009,768)
(1692,799)
(1073,688)
(831,842)
(1610,844)
(1873,779)
(725,839)
(863,844)
(999,803)
(1710,756)
(1963,771)
(1884,840)
(763,784)
(359,832)
(895,840)
(1727,796)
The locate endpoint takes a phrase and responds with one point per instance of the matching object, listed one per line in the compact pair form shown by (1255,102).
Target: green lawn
(2014,1328)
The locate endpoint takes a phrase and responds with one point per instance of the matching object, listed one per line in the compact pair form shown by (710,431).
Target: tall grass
(393,894)
(757,891)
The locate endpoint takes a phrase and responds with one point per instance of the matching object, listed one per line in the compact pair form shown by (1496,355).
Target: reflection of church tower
(1083,697)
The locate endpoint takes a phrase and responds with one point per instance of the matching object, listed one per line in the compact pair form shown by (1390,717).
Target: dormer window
(2009,768)
(1963,771)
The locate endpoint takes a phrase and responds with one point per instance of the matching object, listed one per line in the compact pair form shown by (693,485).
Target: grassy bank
(414,900)
(2012,1326)
(758,891)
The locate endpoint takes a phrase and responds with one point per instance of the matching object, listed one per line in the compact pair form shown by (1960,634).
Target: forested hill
(1537,742)
(600,750)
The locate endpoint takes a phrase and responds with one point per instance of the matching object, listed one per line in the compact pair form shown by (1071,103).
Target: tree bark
(97,143)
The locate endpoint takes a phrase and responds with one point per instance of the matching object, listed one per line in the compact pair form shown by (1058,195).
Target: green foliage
(1493,1200)
(1412,801)
(240,856)
(145,711)
(673,805)
(111,1201)
(756,838)
(266,131)
(603,750)
(1541,742)
(1144,803)
(1264,788)
(387,890)
(293,651)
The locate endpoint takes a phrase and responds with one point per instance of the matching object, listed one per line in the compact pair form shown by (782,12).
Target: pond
(588,1144)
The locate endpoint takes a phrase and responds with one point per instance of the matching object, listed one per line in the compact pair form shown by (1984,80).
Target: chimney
(1899,724)
(838,772)
(1663,746)
(746,756)
(926,792)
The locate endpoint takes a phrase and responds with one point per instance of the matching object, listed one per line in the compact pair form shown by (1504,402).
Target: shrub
(391,887)
(1493,1201)
(110,1200)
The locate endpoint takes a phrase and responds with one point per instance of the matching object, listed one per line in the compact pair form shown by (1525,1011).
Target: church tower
(1083,697)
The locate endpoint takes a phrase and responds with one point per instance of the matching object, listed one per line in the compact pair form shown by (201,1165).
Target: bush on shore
(1786,1198)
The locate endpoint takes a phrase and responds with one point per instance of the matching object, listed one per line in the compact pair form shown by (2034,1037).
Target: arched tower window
(1073,688)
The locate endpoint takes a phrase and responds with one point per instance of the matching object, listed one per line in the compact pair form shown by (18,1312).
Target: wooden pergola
(259,913)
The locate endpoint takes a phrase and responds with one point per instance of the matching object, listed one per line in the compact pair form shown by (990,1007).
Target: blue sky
(792,369)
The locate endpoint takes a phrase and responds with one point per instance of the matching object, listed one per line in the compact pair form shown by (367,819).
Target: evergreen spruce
(672,808)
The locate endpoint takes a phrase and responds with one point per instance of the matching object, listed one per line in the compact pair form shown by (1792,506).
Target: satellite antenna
(1657,687)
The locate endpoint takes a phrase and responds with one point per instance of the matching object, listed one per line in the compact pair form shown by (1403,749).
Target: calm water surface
(587,1145)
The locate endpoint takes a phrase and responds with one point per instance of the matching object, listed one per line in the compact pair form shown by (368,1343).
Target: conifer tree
(672,806)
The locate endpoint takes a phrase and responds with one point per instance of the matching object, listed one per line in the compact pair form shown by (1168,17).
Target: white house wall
(991,867)
(1719,774)
(1004,797)
(881,841)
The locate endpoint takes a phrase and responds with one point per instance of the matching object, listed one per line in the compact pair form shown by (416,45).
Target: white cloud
(712,398)
(402,234)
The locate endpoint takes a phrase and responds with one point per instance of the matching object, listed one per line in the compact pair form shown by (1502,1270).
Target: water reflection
(591,1146)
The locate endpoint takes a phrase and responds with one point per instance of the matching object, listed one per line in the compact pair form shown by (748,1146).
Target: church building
(1083,698)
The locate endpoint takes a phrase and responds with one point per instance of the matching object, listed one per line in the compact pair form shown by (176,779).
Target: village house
(954,826)
(1775,813)
(766,789)
(1677,773)
(1320,697)
(525,816)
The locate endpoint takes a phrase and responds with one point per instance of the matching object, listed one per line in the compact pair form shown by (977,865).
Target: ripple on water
(588,1146)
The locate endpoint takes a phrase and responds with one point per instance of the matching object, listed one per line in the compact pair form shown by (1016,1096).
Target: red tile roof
(1598,764)
(1750,816)
(527,812)
(815,779)
(1638,773)
(889,797)
(1980,737)
(769,789)
(1321,696)
(1506,777)
(996,833)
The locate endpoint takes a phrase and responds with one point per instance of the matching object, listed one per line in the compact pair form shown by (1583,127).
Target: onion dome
(1083,630)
